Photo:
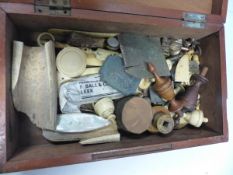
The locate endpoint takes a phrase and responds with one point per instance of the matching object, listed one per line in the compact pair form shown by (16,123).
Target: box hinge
(194,20)
(53,7)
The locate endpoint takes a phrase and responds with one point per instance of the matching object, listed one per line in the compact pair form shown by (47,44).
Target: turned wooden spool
(176,106)
(134,114)
(189,99)
(163,85)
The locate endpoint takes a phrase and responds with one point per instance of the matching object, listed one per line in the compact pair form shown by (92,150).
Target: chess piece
(105,108)
(163,85)
(195,118)
(190,96)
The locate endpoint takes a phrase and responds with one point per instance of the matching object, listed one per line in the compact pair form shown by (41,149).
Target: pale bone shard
(16,62)
(196,59)
(182,73)
(144,84)
(34,85)
(101,139)
(64,32)
(92,60)
(62,137)
(84,90)
(169,64)
(98,56)
(80,122)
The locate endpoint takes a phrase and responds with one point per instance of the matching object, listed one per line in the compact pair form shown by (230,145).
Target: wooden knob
(134,115)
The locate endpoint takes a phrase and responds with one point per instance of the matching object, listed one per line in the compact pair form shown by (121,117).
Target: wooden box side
(23,161)
(3,122)
(214,9)
(8,119)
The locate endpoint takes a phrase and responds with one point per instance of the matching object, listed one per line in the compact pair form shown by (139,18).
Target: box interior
(24,140)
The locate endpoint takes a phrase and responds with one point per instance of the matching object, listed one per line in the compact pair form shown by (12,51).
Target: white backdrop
(204,160)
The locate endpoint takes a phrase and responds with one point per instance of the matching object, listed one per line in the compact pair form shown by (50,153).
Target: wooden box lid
(212,11)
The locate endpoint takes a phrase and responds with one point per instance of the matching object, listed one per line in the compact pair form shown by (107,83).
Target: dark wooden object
(81,40)
(134,114)
(176,105)
(191,93)
(22,146)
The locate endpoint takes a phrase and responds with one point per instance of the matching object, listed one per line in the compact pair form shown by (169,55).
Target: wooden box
(22,146)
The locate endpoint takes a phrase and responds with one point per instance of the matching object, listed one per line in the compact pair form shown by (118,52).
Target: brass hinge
(194,20)
(53,7)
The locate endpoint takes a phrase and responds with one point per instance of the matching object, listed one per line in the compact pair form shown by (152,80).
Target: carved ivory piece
(105,108)
(182,73)
(195,118)
(34,85)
